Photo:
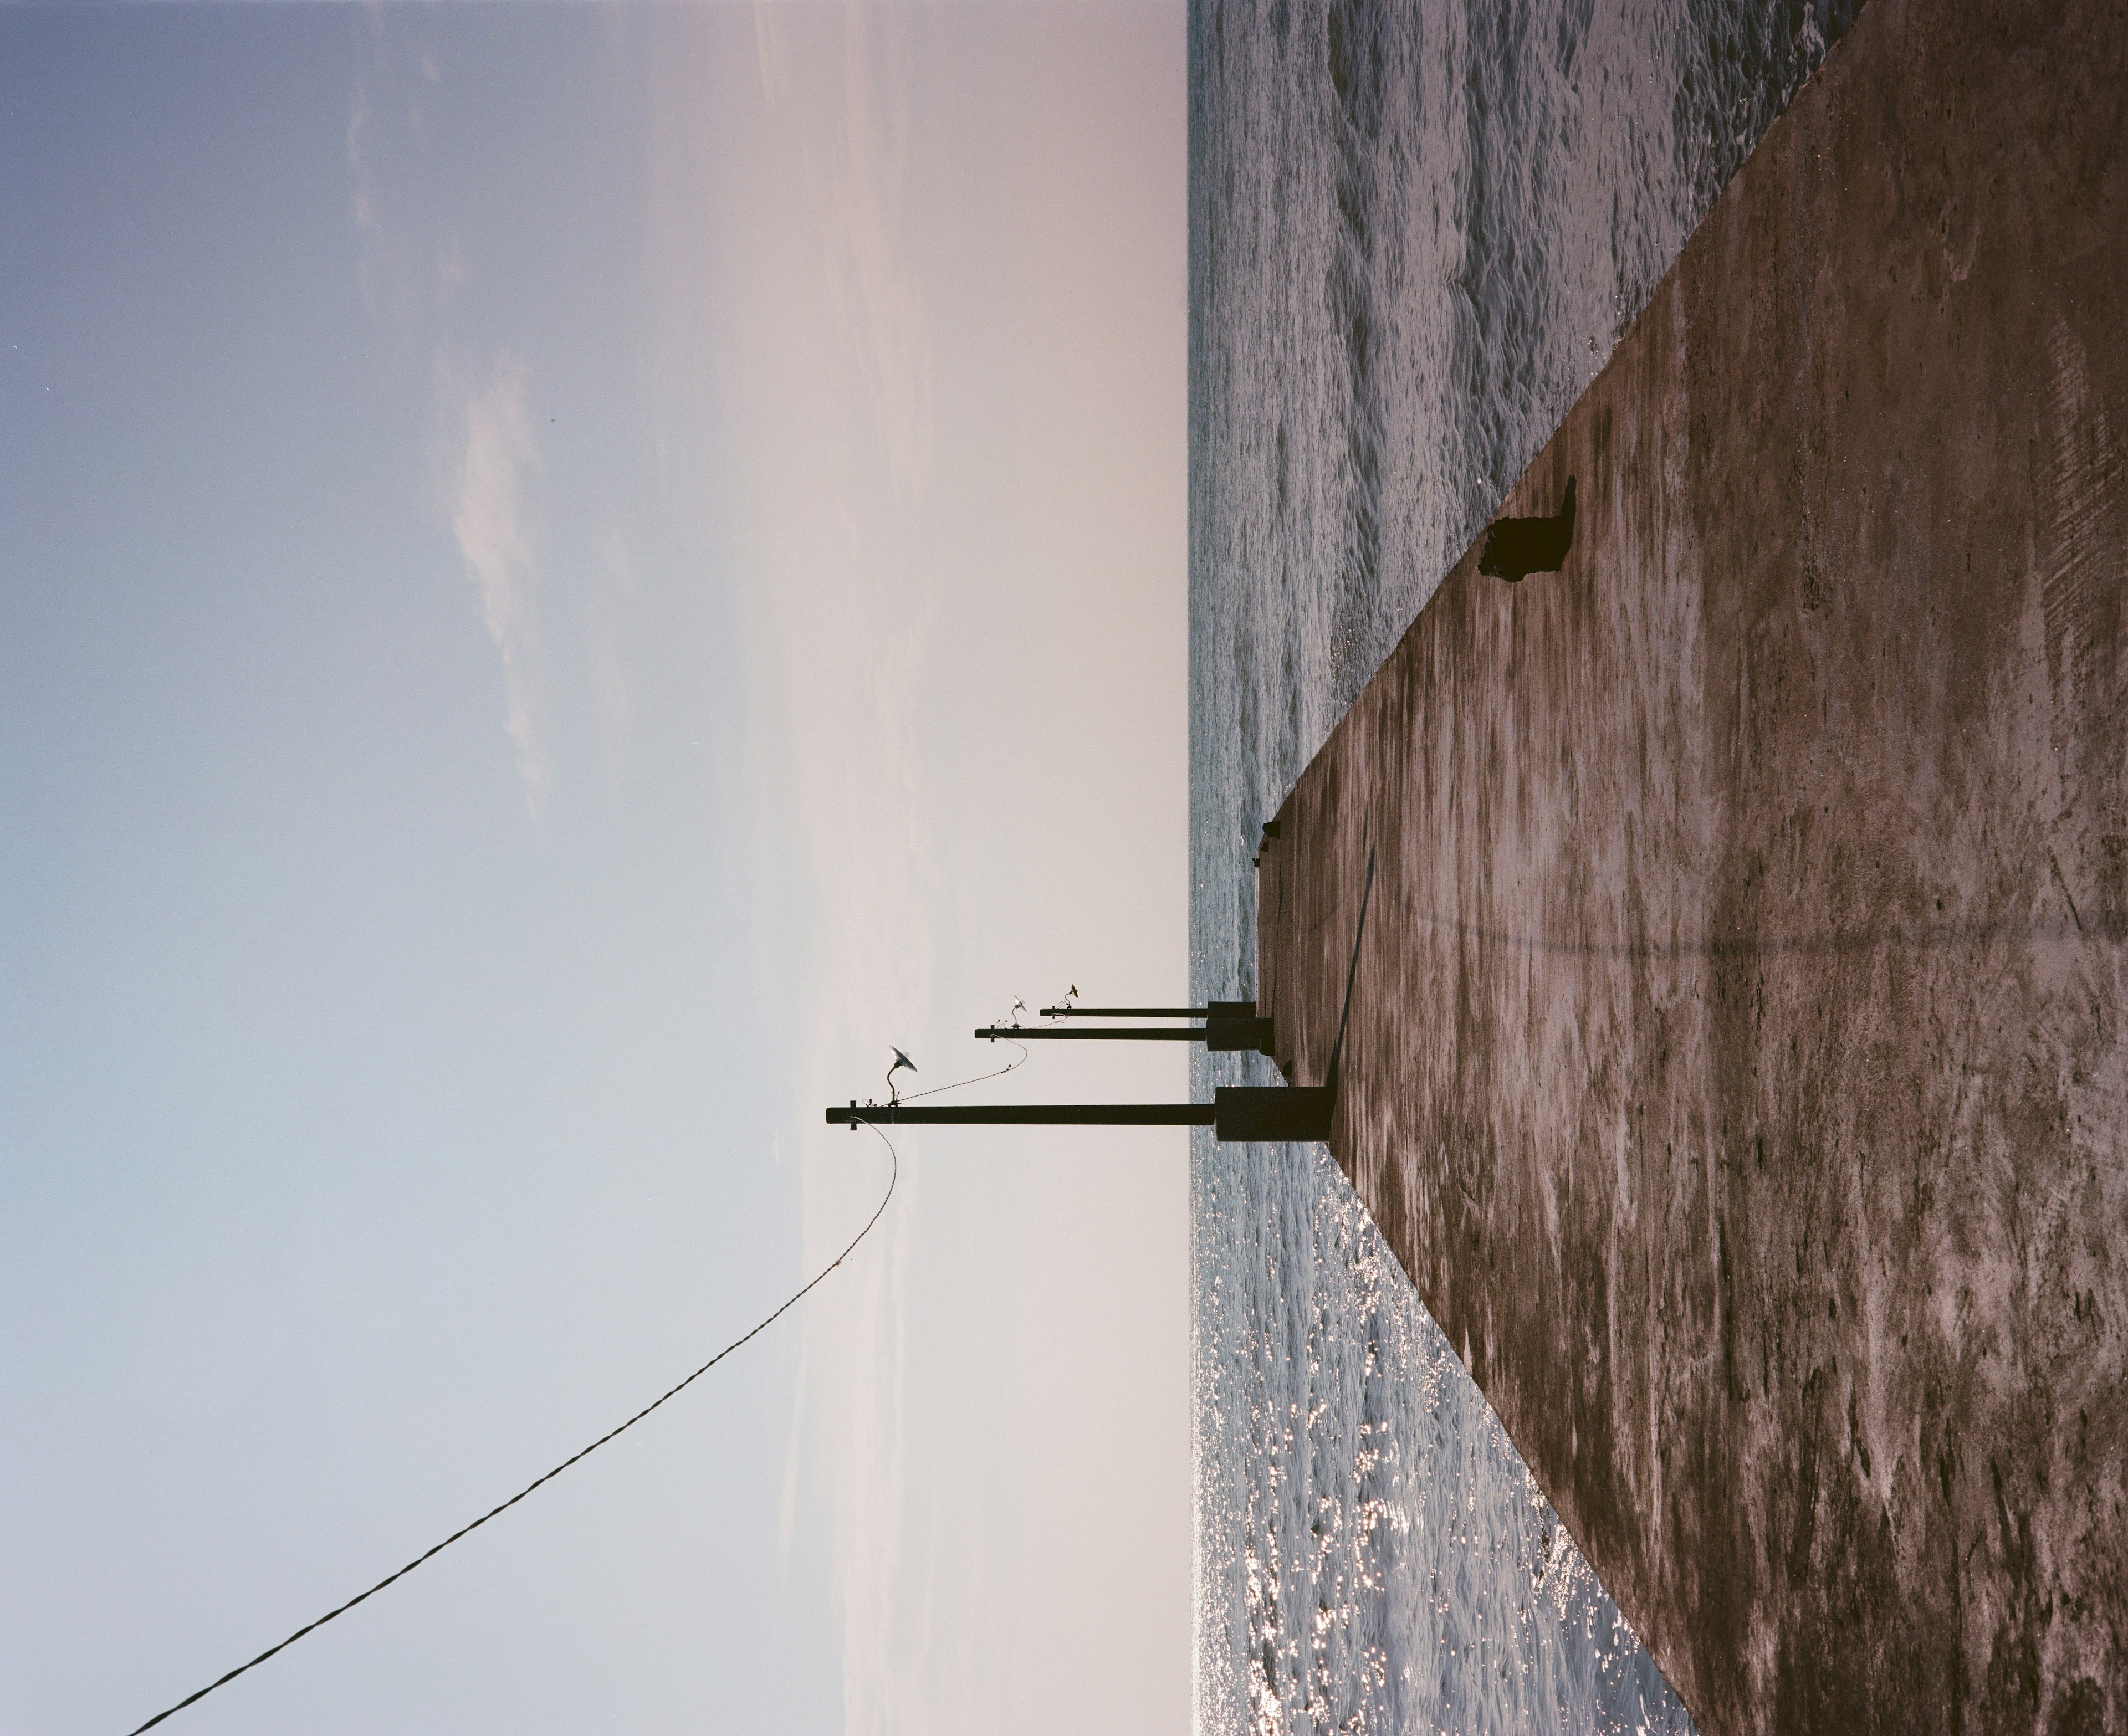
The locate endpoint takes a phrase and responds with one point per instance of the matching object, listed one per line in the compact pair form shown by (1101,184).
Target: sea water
(1417,232)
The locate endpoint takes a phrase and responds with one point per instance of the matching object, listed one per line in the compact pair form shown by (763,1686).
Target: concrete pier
(1736,1057)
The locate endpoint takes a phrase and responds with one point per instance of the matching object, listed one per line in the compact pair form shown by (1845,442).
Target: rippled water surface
(1416,233)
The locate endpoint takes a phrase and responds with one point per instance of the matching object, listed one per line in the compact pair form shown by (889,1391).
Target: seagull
(900,1060)
(1516,548)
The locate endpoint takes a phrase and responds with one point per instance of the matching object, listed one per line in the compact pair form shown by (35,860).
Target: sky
(567,574)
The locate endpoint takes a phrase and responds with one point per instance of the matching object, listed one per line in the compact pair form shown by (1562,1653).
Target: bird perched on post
(1516,547)
(900,1060)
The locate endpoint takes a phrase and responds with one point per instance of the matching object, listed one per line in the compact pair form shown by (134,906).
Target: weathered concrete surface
(1736,1056)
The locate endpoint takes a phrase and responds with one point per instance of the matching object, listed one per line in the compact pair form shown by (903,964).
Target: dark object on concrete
(1253,1113)
(1516,548)
(1739,1061)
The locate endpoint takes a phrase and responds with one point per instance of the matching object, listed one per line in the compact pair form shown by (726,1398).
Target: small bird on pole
(900,1060)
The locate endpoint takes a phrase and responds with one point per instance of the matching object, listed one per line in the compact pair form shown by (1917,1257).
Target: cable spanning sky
(567,576)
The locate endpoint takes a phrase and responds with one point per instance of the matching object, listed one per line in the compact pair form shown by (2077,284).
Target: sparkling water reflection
(1416,233)
(1373,1556)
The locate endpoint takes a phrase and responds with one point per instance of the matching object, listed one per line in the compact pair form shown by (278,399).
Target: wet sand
(1736,1051)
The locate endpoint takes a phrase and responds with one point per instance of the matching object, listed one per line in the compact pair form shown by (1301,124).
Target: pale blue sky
(567,575)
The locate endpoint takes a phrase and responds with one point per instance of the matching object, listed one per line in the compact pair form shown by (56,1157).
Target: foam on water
(1416,233)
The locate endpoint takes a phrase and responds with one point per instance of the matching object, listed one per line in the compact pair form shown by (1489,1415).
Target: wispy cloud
(385,132)
(834,380)
(853,128)
(366,199)
(606,609)
(483,456)
(813,229)
(872,275)
(415,272)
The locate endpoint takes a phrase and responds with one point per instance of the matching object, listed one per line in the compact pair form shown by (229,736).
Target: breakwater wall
(1736,1053)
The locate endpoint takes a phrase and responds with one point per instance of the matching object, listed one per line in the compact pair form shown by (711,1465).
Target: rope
(976,1080)
(895,1096)
(894,1176)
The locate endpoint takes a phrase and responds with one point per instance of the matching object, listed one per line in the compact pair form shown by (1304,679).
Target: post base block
(1272,1112)
(1253,1035)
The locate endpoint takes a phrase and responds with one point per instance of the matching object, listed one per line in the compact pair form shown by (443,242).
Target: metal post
(1258,1112)
(1215,1010)
(1029,1115)
(1222,1035)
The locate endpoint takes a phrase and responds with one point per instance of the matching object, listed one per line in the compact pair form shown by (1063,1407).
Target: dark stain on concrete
(1736,1060)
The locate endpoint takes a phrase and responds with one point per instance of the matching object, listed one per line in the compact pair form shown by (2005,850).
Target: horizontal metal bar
(1030,1115)
(1257,1112)
(1216,1009)
(1112,1034)
(1221,1035)
(1123,1013)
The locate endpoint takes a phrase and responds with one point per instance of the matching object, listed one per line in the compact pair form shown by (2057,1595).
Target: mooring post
(1211,1010)
(1220,1036)
(1252,1112)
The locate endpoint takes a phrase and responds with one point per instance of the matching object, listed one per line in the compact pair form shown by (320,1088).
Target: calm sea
(1417,231)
